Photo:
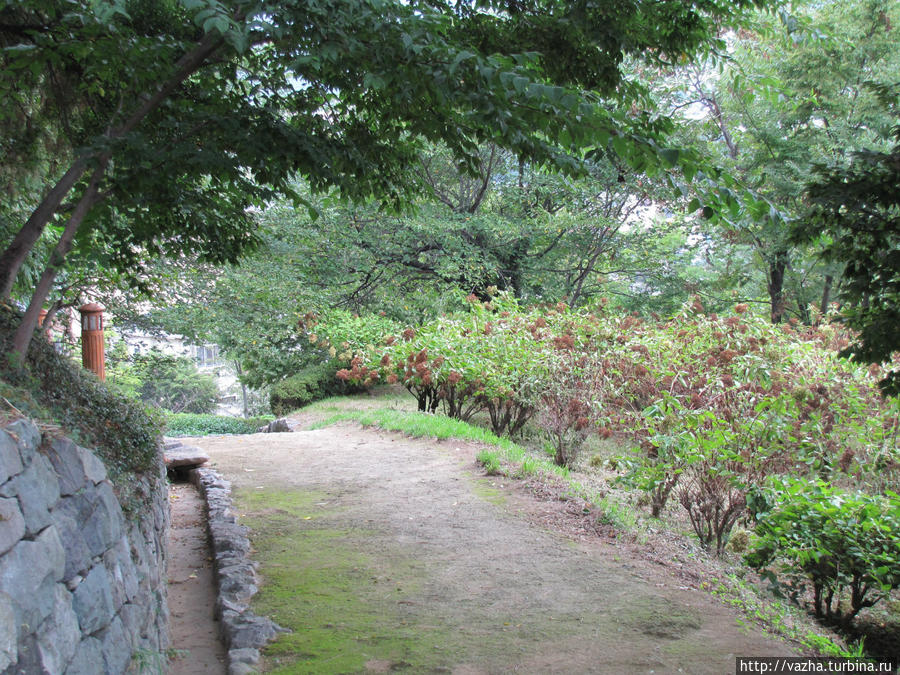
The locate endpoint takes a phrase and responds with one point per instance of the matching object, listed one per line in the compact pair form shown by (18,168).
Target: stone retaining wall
(82,587)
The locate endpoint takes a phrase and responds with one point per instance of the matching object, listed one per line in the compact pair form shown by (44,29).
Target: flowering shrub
(486,360)
(716,405)
(712,404)
(571,402)
(345,335)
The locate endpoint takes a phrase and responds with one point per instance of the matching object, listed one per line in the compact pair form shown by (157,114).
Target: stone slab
(185,456)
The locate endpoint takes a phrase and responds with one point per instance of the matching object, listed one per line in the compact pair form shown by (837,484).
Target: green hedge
(190,424)
(310,384)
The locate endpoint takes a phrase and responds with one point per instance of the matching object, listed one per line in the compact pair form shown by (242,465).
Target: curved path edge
(243,632)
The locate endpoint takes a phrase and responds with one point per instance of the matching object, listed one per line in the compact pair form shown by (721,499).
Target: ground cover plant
(191,424)
(54,390)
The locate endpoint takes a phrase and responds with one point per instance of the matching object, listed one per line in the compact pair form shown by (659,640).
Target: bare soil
(490,575)
(194,632)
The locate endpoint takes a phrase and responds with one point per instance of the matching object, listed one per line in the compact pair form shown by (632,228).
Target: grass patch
(377,398)
(413,423)
(436,426)
(490,461)
(191,424)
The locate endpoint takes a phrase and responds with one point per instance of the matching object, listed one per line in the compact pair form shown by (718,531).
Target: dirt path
(386,553)
(192,596)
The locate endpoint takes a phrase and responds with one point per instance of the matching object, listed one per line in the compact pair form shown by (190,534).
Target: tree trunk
(47,326)
(713,105)
(826,293)
(777,267)
(239,371)
(14,256)
(25,331)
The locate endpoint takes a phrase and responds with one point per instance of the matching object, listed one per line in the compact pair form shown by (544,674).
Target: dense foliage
(714,404)
(55,390)
(168,382)
(845,545)
(857,211)
(174,118)
(798,89)
(557,214)
(309,384)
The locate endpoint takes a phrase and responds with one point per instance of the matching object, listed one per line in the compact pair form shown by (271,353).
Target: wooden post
(92,355)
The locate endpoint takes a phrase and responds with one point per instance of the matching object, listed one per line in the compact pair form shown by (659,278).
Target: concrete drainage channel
(243,632)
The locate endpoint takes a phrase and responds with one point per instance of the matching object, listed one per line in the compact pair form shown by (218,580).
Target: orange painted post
(92,356)
(42,317)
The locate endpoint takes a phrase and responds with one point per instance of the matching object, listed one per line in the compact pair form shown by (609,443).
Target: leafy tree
(168,382)
(856,214)
(540,236)
(791,92)
(182,115)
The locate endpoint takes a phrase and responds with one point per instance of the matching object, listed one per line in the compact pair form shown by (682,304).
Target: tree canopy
(134,129)
(176,117)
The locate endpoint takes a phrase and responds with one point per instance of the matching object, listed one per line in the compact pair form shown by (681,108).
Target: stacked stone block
(82,587)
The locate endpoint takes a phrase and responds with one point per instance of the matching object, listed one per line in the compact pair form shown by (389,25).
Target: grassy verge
(500,456)
(379,398)
(779,617)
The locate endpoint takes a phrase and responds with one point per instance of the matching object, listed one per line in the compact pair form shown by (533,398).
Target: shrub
(845,546)
(712,403)
(655,468)
(189,424)
(487,359)
(725,461)
(568,407)
(717,404)
(310,384)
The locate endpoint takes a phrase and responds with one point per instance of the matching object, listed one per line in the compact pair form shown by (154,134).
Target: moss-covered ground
(353,602)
